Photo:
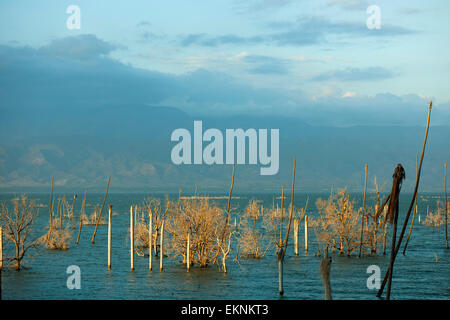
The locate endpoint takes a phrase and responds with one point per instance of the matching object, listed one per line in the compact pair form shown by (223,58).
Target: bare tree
(17,225)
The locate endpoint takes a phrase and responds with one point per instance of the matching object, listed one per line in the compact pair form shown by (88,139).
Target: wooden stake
(414,212)
(131,238)
(280,258)
(109,237)
(101,210)
(228,208)
(1,248)
(306,233)
(51,212)
(150,239)
(188,251)
(364,211)
(83,207)
(445,199)
(161,250)
(296,222)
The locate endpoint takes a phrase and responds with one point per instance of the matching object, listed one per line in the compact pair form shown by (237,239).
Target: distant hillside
(133,144)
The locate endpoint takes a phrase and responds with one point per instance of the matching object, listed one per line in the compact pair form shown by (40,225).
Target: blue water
(424,273)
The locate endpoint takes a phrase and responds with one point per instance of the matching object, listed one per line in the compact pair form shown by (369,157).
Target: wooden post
(131,238)
(150,239)
(51,212)
(161,251)
(414,212)
(306,233)
(280,258)
(188,251)
(445,199)
(363,211)
(1,259)
(296,222)
(100,213)
(83,207)
(1,247)
(109,237)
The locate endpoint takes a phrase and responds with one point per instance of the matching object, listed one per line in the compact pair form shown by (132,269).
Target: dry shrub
(250,234)
(92,219)
(57,239)
(58,235)
(205,223)
(375,223)
(149,206)
(436,219)
(337,224)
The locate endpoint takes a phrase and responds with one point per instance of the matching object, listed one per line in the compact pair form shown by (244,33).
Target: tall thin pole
(296,236)
(51,212)
(101,210)
(306,233)
(131,238)
(150,239)
(445,199)
(83,207)
(188,251)
(414,212)
(405,223)
(109,237)
(363,218)
(1,247)
(161,250)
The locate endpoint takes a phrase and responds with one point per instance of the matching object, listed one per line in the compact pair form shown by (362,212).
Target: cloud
(356,74)
(266,65)
(349,4)
(79,47)
(252,6)
(38,83)
(303,32)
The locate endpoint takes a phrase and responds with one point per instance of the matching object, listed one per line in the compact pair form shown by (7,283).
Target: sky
(291,56)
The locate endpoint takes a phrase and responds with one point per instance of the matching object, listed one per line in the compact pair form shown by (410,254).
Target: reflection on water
(418,275)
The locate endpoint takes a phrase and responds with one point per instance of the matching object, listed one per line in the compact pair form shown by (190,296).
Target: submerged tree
(337,224)
(251,232)
(17,225)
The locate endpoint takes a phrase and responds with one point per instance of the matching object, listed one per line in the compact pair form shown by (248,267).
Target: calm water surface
(424,273)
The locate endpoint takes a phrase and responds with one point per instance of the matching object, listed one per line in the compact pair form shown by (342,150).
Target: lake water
(424,273)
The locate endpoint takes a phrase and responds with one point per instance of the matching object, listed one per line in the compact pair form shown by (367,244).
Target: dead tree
(18,224)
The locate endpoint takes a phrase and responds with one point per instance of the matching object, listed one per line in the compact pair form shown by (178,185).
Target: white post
(109,237)
(306,233)
(132,238)
(161,251)
(1,248)
(296,223)
(188,252)
(150,236)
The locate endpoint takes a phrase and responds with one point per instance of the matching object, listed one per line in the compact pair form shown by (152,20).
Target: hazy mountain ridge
(133,144)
